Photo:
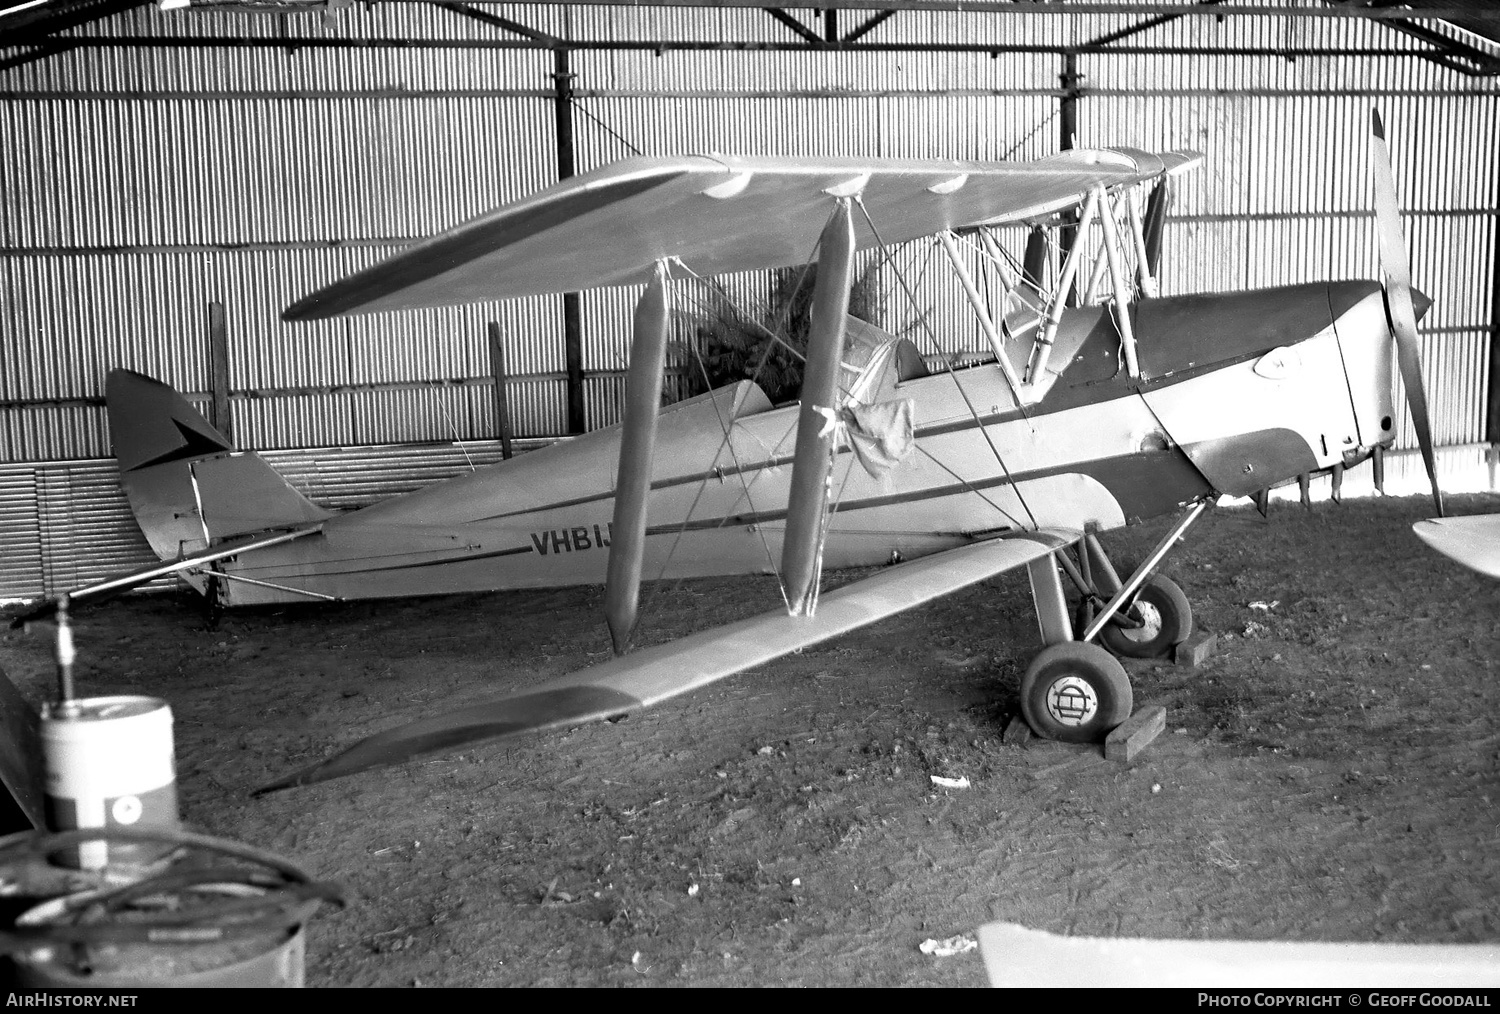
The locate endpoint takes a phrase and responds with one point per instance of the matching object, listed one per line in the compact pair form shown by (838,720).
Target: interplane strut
(648,351)
(817,432)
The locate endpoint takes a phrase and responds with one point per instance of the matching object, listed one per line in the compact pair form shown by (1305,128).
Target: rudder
(186,484)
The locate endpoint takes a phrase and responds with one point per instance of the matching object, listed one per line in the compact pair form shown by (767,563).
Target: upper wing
(1473,541)
(715,214)
(653,674)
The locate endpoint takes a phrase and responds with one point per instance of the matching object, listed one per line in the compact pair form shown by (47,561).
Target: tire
(1167,616)
(1075,692)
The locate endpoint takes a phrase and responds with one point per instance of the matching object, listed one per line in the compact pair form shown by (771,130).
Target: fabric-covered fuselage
(1237,392)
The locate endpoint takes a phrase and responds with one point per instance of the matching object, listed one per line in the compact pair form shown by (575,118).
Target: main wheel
(1165,618)
(1076,692)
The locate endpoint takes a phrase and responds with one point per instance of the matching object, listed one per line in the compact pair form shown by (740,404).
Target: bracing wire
(993,449)
(456,438)
(970,405)
(608,129)
(1017,146)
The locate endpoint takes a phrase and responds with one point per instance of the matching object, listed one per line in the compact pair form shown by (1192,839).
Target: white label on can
(126,810)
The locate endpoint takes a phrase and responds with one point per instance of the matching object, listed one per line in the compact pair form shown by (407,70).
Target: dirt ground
(1330,773)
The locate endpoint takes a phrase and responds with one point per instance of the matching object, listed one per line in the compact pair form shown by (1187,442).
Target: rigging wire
(985,430)
(1017,146)
(972,412)
(1015,522)
(580,107)
(830,508)
(456,438)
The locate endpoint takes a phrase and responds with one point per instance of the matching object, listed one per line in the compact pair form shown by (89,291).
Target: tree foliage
(728,344)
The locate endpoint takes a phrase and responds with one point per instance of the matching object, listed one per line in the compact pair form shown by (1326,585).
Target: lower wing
(644,677)
(1473,541)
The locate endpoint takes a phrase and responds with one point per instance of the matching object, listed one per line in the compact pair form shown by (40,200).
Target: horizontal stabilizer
(713,214)
(1473,541)
(654,674)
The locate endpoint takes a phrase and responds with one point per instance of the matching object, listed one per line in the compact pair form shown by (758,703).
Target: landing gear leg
(1072,691)
(1147,625)
(1162,618)
(1075,690)
(1151,608)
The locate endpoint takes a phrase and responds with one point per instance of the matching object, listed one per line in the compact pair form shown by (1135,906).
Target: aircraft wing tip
(288,782)
(531,711)
(304,310)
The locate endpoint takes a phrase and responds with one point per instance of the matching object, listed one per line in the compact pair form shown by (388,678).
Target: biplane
(1099,403)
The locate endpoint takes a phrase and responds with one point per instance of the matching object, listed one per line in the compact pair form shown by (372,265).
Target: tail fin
(186,483)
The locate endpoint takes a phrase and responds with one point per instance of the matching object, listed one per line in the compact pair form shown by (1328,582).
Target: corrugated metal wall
(143,183)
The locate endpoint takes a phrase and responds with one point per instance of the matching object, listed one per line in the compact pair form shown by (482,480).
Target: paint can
(108,762)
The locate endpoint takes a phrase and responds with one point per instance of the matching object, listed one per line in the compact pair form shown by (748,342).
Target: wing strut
(1115,254)
(1157,206)
(1145,273)
(982,314)
(801,555)
(1048,334)
(648,349)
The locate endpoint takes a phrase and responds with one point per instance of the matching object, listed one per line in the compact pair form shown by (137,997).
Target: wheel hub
(1151,623)
(1072,701)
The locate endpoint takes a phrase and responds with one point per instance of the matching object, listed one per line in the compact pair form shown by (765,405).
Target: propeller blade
(1398,299)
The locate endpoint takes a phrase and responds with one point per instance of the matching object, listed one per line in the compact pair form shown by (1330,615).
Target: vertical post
(1068,111)
(562,77)
(573,337)
(502,396)
(1050,600)
(1067,139)
(648,352)
(218,371)
(1492,408)
(801,553)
